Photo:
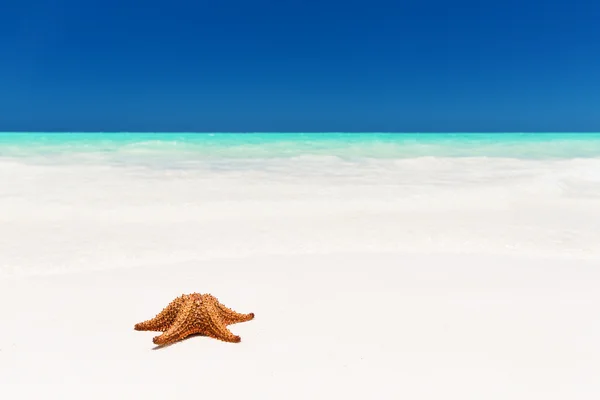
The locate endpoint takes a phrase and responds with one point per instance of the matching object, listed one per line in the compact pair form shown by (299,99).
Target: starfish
(192,314)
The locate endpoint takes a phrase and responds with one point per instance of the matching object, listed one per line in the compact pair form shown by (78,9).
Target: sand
(417,278)
(385,326)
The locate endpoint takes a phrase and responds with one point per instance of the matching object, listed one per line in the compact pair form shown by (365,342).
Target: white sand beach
(438,288)
(337,326)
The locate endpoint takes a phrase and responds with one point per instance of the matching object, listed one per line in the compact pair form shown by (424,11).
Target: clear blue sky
(293,65)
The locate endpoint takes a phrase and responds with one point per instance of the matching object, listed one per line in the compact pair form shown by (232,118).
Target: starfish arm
(231,317)
(164,319)
(215,326)
(182,326)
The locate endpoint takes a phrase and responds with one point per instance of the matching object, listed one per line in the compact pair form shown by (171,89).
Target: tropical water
(71,201)
(183,148)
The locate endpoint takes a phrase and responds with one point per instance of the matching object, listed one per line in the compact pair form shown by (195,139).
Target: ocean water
(73,201)
(180,149)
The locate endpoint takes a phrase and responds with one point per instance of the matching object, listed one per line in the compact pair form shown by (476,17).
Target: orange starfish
(194,314)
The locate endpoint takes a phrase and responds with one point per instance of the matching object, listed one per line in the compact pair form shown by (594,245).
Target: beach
(386,268)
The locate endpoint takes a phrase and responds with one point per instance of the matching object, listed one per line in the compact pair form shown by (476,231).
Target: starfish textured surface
(194,314)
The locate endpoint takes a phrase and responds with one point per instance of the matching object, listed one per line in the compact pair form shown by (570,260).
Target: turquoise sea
(346,146)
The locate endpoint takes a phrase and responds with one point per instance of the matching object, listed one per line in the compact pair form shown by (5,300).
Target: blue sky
(291,65)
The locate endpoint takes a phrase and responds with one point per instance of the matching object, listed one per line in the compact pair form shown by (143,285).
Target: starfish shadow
(164,346)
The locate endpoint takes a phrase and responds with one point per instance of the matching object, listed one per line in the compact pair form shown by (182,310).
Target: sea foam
(72,203)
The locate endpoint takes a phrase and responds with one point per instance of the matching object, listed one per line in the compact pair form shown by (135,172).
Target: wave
(99,204)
